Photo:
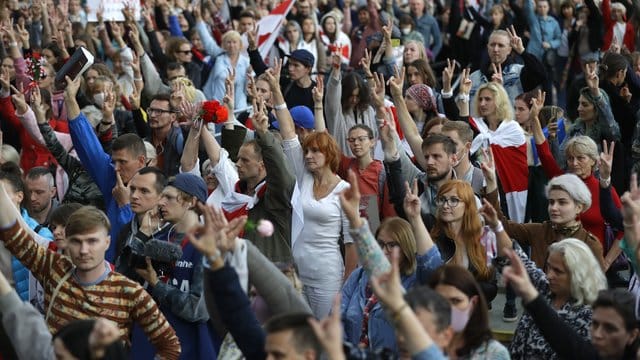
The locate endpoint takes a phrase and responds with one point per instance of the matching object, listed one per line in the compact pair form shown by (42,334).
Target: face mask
(460,318)
(405,31)
(98,99)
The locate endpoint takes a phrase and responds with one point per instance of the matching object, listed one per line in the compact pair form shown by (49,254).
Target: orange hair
(327,145)
(471,230)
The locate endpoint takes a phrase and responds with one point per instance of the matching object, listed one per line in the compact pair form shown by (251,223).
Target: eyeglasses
(388,245)
(184,51)
(451,202)
(154,111)
(358,139)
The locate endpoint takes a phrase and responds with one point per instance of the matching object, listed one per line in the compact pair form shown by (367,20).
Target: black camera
(163,255)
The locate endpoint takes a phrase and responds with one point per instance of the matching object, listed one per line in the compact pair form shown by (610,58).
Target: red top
(629,35)
(369,183)
(591,219)
(33,154)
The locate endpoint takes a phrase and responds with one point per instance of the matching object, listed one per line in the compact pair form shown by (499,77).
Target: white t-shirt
(316,250)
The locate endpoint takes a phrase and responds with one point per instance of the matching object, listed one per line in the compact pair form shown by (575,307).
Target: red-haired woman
(318,224)
(461,236)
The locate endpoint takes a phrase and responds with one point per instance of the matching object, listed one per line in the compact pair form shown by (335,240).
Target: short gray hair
(572,185)
(582,145)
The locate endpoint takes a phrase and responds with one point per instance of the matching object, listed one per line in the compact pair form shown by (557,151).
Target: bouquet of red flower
(213,112)
(35,69)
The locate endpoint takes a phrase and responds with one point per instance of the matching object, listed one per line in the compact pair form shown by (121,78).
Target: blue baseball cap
(303,56)
(191,184)
(302,118)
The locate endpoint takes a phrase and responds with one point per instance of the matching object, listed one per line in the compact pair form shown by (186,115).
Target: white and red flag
(270,25)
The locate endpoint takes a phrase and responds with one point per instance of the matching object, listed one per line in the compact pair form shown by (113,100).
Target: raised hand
(465,82)
(396,83)
(251,87)
(116,30)
(378,90)
(537,103)
(19,100)
(631,204)
(365,63)
(516,275)
(36,105)
(318,91)
(230,87)
(109,105)
(386,31)
(104,333)
(488,166)
(23,33)
(71,90)
(260,119)
(593,82)
(605,162)
(447,75)
(190,110)
(5,81)
(350,201)
(336,58)
(120,191)
(496,77)
(515,40)
(489,214)
(411,203)
(216,236)
(273,75)
(252,38)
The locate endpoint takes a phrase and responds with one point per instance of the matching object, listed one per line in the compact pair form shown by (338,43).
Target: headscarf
(422,94)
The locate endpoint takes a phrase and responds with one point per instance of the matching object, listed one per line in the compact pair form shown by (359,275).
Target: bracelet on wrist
(213,258)
(462,98)
(13,43)
(498,228)
(396,314)
(281,106)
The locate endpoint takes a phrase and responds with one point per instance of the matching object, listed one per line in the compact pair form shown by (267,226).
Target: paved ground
(503,331)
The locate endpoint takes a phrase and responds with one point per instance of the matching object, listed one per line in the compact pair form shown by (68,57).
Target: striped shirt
(116,298)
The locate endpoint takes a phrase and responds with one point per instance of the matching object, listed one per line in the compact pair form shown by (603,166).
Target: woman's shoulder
(491,349)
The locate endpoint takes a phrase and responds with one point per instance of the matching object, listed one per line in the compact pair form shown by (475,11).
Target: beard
(439,176)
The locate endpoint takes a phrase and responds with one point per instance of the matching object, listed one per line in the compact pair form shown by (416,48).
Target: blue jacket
(21,273)
(181,300)
(98,164)
(381,331)
(428,27)
(541,29)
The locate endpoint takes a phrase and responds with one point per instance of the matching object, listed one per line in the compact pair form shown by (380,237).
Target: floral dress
(528,342)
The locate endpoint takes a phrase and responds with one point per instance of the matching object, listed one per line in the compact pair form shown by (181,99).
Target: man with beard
(439,152)
(41,190)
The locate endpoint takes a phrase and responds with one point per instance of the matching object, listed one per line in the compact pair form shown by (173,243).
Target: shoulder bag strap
(56,291)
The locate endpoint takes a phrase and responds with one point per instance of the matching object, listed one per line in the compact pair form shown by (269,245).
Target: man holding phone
(145,190)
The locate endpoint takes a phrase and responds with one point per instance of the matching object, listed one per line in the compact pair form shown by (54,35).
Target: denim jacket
(380,329)
(542,30)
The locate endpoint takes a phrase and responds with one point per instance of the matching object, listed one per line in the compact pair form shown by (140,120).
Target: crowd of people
(364,187)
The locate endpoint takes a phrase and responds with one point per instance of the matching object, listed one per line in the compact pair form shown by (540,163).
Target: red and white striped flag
(270,25)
